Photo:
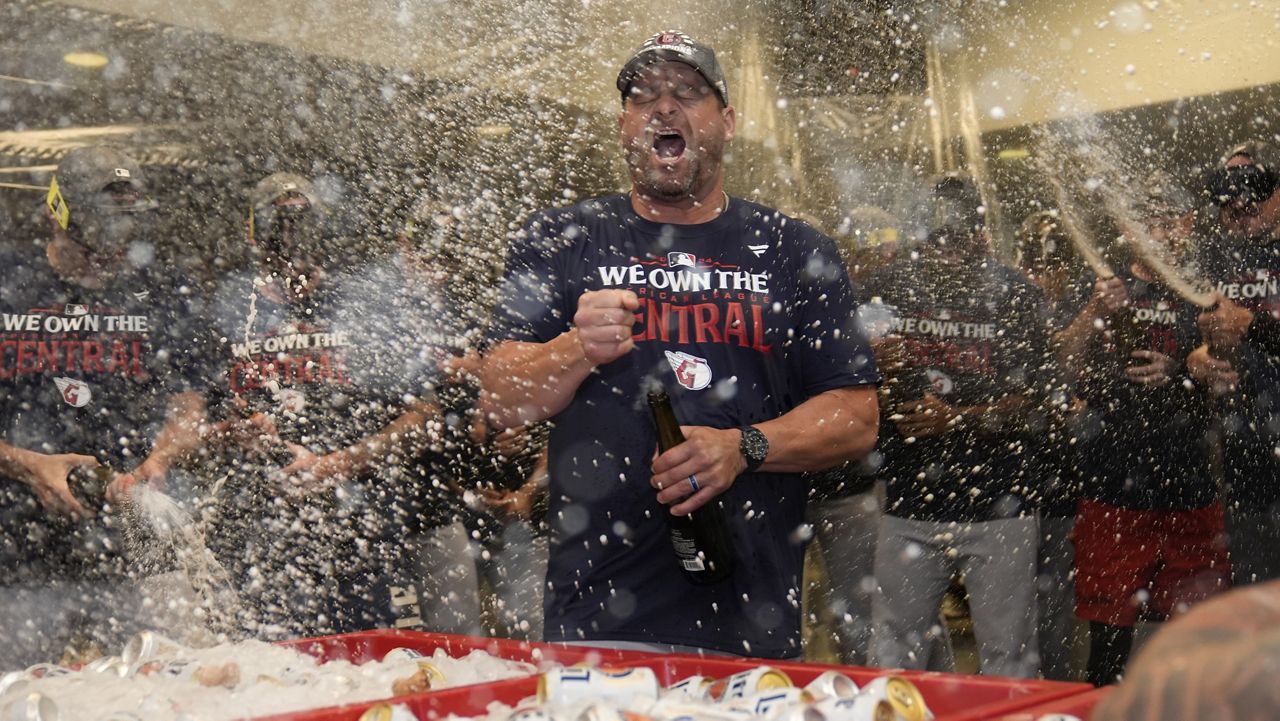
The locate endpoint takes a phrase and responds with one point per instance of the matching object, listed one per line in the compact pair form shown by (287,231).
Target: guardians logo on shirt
(685,300)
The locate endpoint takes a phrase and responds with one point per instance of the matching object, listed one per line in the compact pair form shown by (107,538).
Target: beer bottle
(701,539)
(89,485)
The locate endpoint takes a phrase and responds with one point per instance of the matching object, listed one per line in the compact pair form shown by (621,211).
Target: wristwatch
(754,447)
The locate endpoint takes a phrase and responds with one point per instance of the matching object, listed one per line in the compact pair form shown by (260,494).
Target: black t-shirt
(1249,274)
(972,336)
(741,319)
(1136,446)
(88,372)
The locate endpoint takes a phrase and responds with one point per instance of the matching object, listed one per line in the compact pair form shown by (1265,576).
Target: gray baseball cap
(85,179)
(675,46)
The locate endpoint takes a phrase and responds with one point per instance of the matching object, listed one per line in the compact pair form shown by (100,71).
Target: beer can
(770,703)
(675,708)
(388,712)
(832,684)
(46,670)
(694,687)
(434,674)
(397,655)
(857,708)
(14,681)
(149,646)
(907,702)
(804,712)
(565,686)
(532,714)
(111,665)
(606,712)
(32,707)
(746,683)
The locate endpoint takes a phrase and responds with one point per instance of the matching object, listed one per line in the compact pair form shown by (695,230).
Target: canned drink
(832,684)
(46,670)
(112,665)
(907,702)
(14,681)
(770,703)
(805,712)
(149,646)
(694,687)
(573,685)
(397,655)
(675,708)
(388,712)
(434,675)
(750,682)
(532,714)
(857,708)
(32,707)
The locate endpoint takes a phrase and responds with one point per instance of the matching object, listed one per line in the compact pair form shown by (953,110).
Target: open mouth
(668,144)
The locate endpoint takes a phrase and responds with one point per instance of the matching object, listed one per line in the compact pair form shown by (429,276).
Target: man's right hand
(47,476)
(604,324)
(1109,295)
(1215,374)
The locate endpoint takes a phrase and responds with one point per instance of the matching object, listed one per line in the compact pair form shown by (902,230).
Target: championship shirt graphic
(686,300)
(278,366)
(73,346)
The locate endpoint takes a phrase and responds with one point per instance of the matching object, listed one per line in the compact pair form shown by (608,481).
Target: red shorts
(1163,560)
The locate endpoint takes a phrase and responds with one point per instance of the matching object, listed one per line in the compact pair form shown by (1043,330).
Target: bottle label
(687,551)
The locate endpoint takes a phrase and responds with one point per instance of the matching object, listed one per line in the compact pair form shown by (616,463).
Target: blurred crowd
(1085,431)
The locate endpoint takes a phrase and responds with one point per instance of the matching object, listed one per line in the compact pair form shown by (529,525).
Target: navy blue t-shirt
(1143,447)
(89,372)
(972,336)
(1249,274)
(741,319)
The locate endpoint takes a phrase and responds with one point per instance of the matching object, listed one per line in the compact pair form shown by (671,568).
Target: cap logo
(123,173)
(670,38)
(58,205)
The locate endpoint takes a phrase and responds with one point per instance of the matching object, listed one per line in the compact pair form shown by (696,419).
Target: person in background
(757,346)
(94,372)
(1046,257)
(318,414)
(1149,528)
(1237,361)
(954,439)
(479,522)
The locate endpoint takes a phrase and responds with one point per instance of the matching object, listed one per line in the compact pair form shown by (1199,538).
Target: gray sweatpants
(1056,596)
(846,529)
(914,564)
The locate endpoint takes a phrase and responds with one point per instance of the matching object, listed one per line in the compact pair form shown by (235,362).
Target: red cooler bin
(951,697)
(1081,706)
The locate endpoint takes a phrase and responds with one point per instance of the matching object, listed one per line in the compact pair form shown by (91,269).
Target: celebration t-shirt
(971,335)
(89,372)
(741,319)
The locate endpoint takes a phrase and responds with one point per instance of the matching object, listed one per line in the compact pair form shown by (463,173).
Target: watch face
(754,444)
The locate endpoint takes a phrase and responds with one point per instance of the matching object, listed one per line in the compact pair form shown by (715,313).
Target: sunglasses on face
(1246,184)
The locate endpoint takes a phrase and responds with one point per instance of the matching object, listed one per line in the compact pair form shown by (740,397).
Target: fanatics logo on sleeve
(74,393)
(692,372)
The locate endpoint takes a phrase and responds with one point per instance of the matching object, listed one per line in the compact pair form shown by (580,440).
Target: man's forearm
(400,439)
(824,431)
(528,382)
(181,432)
(13,463)
(1070,343)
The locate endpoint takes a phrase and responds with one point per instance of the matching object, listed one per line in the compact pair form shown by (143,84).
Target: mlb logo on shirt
(75,309)
(677,259)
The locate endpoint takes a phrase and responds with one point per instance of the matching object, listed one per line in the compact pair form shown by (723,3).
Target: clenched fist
(604,322)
